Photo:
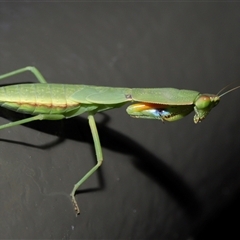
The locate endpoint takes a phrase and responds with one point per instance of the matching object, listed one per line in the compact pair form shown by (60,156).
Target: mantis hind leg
(31,119)
(33,70)
(98,151)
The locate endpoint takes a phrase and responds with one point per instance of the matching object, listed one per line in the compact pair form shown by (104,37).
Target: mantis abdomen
(38,98)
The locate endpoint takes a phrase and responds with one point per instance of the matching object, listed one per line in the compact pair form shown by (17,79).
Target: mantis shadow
(143,160)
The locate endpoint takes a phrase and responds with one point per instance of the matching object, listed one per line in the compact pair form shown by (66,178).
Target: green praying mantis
(46,101)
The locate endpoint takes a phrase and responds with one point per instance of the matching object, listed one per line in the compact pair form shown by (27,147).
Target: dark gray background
(166,181)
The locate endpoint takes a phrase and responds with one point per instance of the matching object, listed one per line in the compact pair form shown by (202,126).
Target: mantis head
(203,105)
(205,102)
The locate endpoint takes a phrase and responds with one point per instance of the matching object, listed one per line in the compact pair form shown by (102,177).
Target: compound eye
(203,102)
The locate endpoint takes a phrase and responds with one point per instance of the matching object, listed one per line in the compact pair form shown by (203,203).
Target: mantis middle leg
(98,151)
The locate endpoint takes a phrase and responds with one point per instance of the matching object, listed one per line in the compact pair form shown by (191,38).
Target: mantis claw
(75,205)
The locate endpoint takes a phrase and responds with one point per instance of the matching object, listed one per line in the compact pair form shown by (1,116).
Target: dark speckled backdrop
(158,181)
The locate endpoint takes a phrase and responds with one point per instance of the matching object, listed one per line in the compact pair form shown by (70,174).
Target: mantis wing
(108,95)
(165,96)
(102,95)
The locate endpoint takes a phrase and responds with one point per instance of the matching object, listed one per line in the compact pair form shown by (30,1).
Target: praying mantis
(46,101)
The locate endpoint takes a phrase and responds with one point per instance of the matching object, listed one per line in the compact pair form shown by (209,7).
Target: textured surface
(158,181)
